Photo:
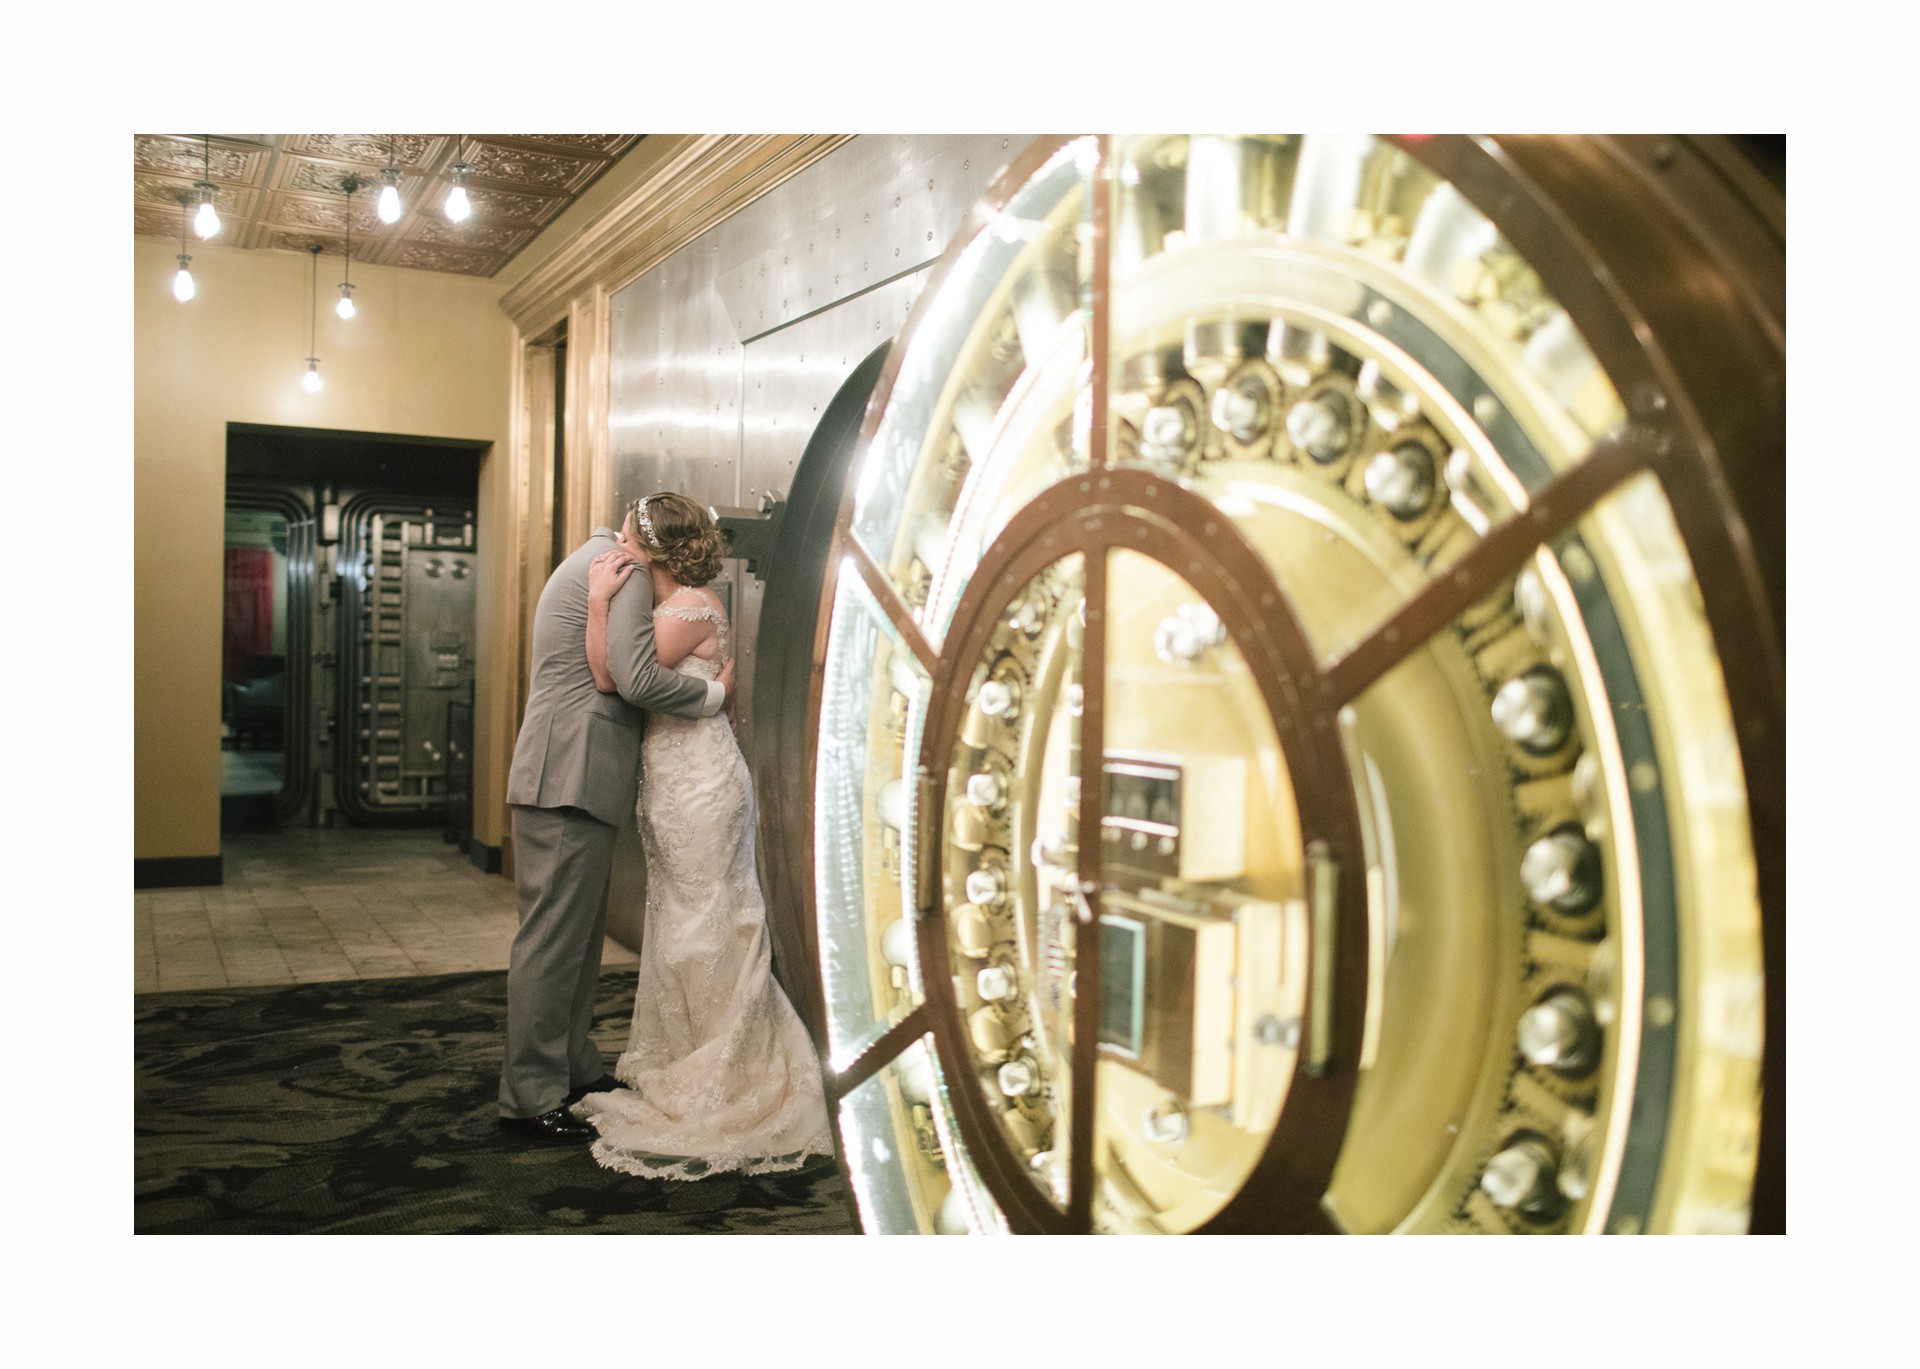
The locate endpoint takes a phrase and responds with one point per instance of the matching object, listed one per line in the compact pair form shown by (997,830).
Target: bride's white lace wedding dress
(720,1074)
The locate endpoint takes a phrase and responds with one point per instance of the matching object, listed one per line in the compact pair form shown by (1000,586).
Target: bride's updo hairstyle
(680,535)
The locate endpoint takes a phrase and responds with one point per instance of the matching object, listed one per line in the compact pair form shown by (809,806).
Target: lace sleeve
(698,613)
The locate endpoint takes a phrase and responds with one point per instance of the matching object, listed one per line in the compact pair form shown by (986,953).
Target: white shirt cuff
(716,699)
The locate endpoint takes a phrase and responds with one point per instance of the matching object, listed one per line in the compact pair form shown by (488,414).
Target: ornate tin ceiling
(285,190)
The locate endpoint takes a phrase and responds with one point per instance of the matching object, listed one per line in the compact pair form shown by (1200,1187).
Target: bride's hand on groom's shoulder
(609,571)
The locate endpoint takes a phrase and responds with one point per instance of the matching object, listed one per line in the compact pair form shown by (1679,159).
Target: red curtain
(249,616)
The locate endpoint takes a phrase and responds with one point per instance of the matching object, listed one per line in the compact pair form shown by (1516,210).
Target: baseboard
(484,857)
(176,872)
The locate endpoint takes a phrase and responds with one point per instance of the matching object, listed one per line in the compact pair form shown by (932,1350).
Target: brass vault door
(1298,742)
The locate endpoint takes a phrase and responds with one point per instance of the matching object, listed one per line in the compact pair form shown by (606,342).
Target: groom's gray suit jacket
(579,748)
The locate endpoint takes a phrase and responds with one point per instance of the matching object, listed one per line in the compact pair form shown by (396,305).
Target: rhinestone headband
(645,523)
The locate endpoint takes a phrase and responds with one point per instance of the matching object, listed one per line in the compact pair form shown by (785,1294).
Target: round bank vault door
(1274,769)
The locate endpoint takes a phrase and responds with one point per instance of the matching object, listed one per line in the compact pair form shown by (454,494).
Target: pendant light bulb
(206,220)
(311,380)
(388,207)
(183,278)
(458,206)
(345,307)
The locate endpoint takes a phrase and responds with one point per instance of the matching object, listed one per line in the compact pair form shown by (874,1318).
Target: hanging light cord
(313,306)
(346,252)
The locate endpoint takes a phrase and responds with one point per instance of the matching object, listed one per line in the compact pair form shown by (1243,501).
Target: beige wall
(429,355)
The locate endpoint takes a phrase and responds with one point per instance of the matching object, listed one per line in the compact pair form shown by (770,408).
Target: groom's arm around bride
(634,662)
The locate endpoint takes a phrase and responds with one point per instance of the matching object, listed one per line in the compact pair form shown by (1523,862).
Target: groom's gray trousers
(562,858)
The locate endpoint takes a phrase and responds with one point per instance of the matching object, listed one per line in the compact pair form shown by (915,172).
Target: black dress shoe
(606,1083)
(558,1126)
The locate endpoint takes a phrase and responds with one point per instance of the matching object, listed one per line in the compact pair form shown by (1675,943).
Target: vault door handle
(1323,898)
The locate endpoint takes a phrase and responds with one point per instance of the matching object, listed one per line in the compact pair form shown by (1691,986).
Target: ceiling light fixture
(207,221)
(183,278)
(389,206)
(345,307)
(458,206)
(311,380)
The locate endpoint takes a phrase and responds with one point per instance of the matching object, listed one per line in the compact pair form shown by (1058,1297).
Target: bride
(719,1073)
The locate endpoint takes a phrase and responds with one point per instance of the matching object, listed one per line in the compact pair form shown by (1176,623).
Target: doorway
(348,640)
(266,622)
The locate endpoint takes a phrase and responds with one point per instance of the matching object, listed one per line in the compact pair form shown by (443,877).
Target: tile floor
(314,904)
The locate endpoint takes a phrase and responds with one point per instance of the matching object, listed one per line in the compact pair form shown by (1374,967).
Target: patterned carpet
(367,1106)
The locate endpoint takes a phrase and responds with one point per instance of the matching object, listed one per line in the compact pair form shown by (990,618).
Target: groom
(574,780)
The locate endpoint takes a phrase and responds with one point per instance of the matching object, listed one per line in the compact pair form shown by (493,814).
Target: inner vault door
(409,646)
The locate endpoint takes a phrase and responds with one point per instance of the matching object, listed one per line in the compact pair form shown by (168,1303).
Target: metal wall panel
(876,209)
(726,353)
(675,386)
(790,377)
